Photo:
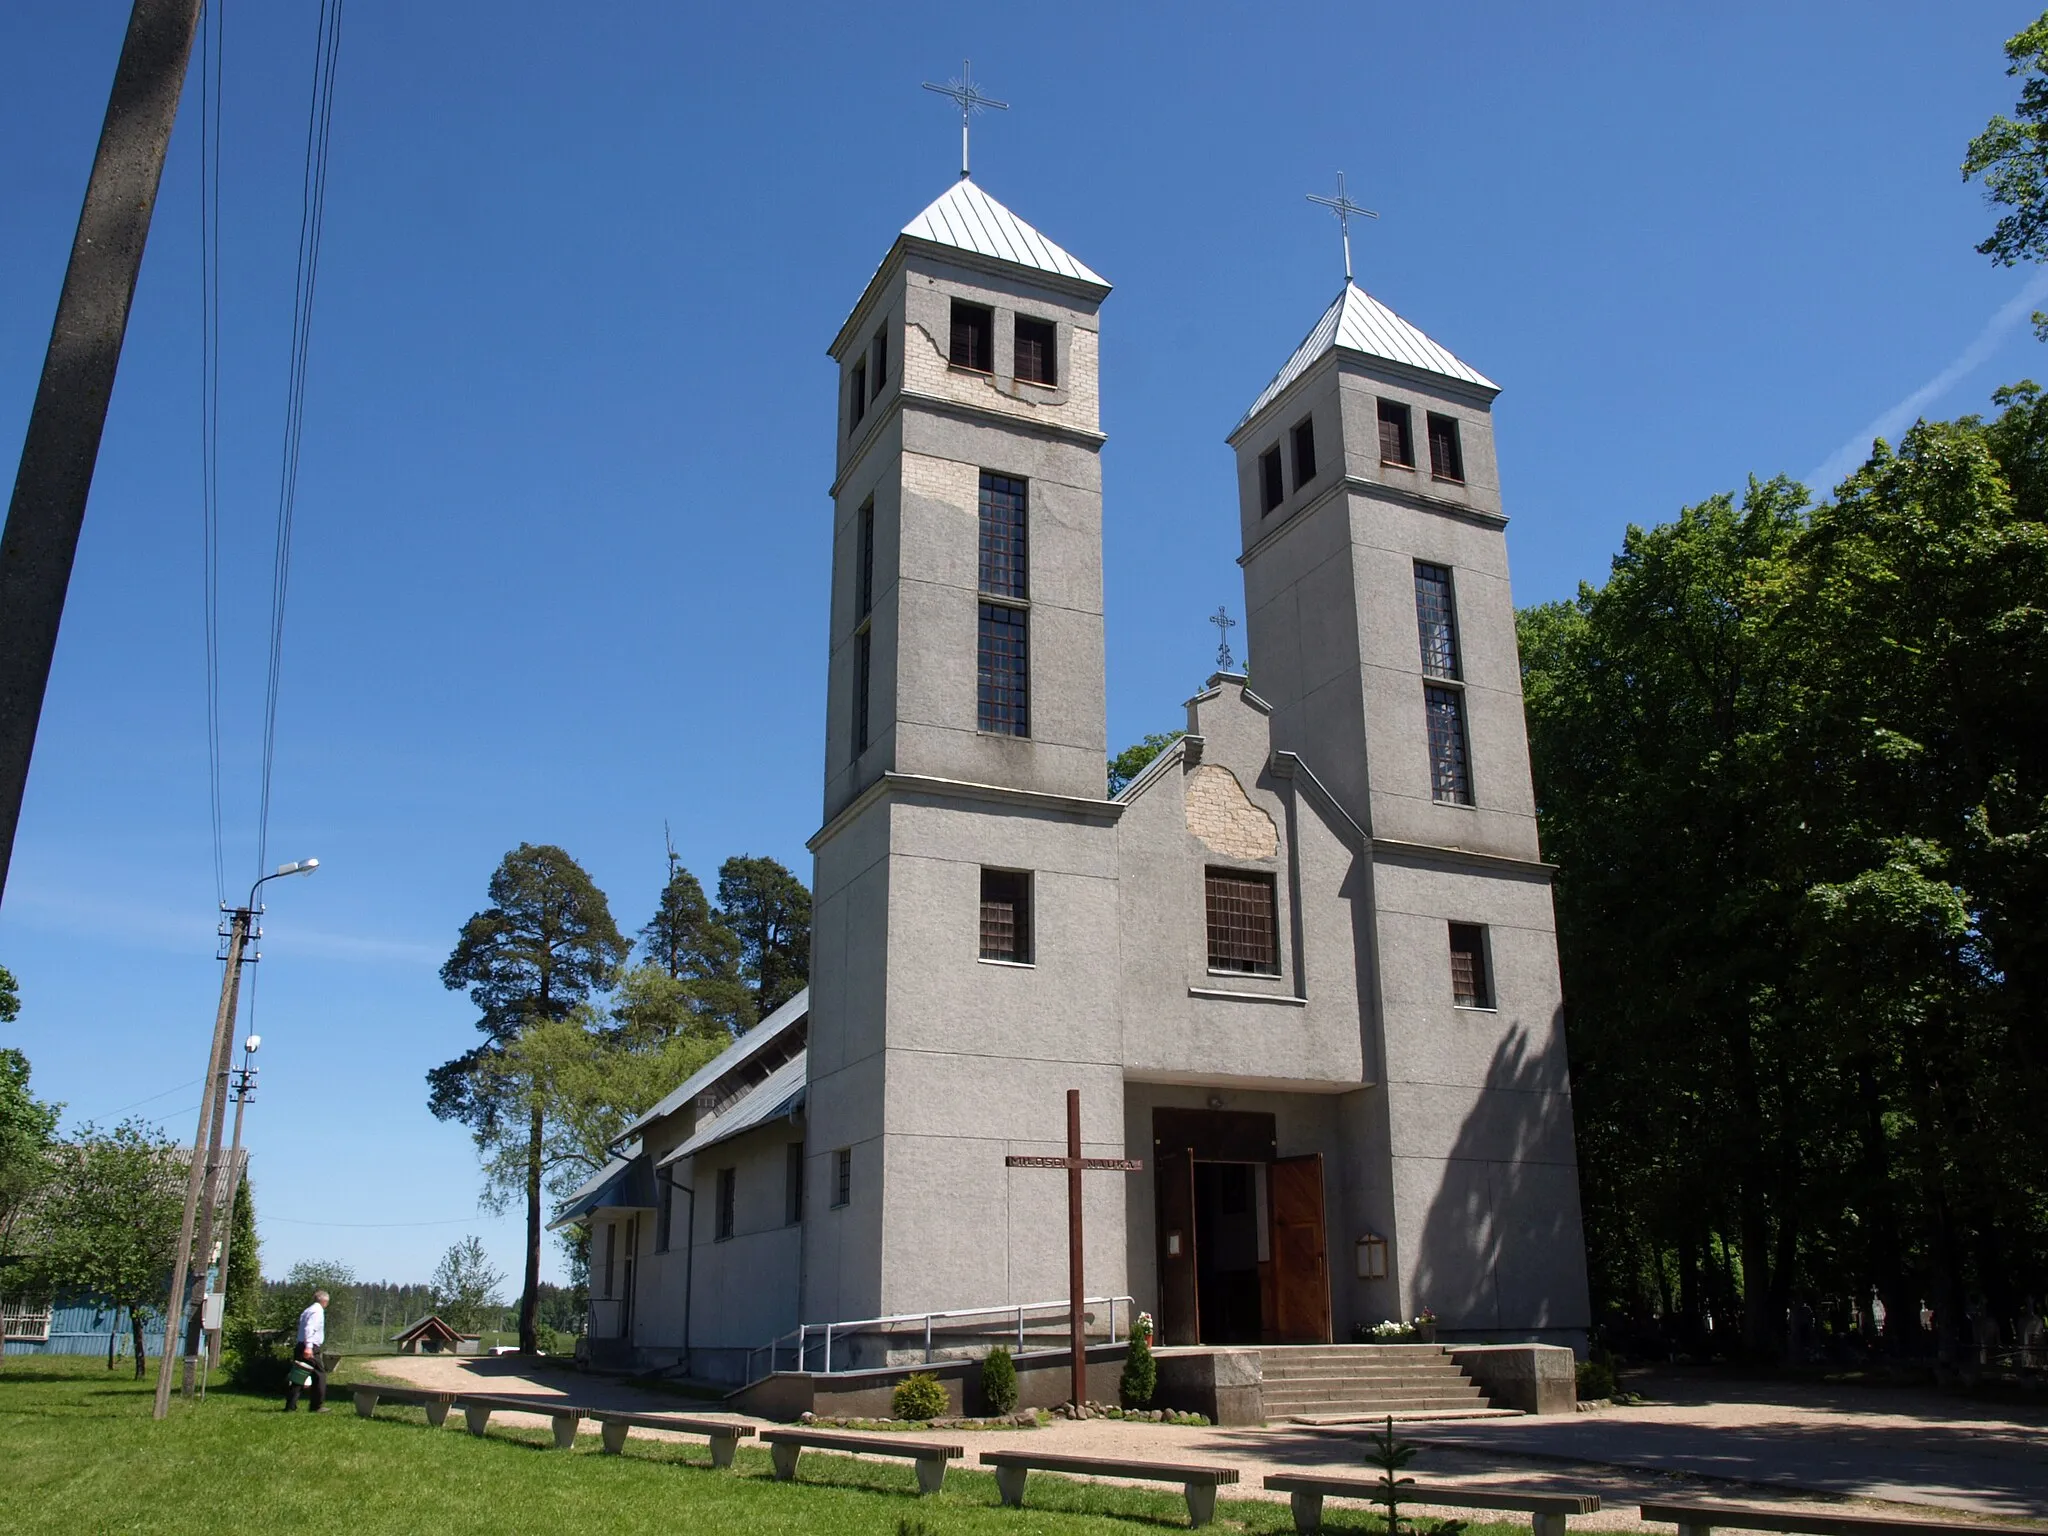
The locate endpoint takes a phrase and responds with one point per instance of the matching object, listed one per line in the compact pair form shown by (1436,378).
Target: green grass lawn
(79,1452)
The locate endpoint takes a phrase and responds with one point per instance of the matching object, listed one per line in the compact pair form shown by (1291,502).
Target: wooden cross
(1076,1165)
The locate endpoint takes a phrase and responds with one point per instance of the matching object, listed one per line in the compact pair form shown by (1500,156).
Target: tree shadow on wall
(1503,1247)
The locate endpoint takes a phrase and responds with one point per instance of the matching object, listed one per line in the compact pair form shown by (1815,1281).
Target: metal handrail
(799,1340)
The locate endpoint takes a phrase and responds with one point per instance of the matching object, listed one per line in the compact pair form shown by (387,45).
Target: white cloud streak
(1900,416)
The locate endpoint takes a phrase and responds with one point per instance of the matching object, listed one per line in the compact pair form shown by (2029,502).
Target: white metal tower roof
(1358,322)
(968,219)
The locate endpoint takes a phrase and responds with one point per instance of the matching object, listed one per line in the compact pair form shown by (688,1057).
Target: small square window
(842,1176)
(881,350)
(1471,986)
(1304,437)
(1243,931)
(793,1184)
(1271,492)
(974,337)
(1446,458)
(728,1198)
(1035,343)
(857,395)
(1397,434)
(1006,915)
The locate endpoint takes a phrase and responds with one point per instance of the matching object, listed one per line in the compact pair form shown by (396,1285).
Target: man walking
(306,1369)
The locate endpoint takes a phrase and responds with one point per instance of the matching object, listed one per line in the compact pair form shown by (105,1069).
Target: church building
(1303,967)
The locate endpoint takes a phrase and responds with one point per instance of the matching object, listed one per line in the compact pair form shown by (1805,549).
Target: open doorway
(1229,1247)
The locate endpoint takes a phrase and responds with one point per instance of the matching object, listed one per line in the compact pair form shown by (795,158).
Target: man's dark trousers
(311,1361)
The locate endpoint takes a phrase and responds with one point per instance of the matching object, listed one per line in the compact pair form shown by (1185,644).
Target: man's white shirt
(313,1325)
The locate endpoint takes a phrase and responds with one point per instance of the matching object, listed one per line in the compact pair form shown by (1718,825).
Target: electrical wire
(213,22)
(312,216)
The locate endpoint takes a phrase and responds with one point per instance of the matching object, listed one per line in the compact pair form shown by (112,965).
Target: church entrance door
(1301,1268)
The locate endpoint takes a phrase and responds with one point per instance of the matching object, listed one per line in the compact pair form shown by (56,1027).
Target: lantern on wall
(1372,1257)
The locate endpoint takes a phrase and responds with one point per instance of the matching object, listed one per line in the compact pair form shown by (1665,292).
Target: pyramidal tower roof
(968,219)
(1358,322)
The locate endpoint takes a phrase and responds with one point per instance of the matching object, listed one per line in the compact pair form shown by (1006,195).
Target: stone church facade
(1303,966)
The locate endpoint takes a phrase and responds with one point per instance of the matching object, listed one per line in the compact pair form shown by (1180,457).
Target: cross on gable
(1074,1165)
(1224,623)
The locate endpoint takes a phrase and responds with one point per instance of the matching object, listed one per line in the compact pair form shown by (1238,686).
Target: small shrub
(1596,1380)
(1141,1372)
(999,1380)
(252,1362)
(919,1397)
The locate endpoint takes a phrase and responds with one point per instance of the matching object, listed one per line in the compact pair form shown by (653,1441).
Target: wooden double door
(1243,1252)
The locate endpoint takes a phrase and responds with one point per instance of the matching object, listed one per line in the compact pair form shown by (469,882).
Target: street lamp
(185,1309)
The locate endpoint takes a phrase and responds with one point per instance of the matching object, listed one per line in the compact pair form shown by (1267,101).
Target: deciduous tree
(466,1285)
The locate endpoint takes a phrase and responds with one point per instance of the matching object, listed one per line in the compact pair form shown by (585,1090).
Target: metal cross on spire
(964,91)
(1224,623)
(1344,208)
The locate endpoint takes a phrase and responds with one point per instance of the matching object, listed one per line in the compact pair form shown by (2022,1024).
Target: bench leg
(1010,1486)
(565,1429)
(722,1448)
(614,1438)
(1308,1511)
(1201,1502)
(784,1456)
(1546,1525)
(366,1404)
(478,1419)
(1687,1528)
(437,1413)
(931,1473)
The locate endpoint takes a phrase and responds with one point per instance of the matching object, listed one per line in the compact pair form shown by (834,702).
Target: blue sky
(562,521)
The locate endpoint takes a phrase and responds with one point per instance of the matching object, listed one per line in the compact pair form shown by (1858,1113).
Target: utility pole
(70,412)
(244,1091)
(209,1205)
(182,1304)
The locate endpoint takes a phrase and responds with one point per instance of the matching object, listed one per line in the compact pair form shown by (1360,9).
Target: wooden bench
(931,1456)
(1699,1519)
(477,1409)
(1198,1483)
(369,1394)
(1547,1511)
(723,1433)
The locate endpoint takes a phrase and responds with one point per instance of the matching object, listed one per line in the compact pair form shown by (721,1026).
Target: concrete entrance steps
(1346,1381)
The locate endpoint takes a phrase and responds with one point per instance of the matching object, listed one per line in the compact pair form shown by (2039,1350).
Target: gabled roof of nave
(1358,322)
(968,219)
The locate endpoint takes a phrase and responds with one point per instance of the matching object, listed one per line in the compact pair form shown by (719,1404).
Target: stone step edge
(1341,1420)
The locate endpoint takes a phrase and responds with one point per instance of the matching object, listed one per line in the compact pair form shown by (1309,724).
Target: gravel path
(1591,1453)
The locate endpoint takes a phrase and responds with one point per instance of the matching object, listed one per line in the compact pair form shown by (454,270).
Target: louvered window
(1397,434)
(842,1176)
(881,358)
(1035,343)
(864,681)
(1271,492)
(1243,934)
(1450,771)
(1003,671)
(1446,458)
(1006,915)
(1471,987)
(857,396)
(1304,454)
(974,337)
(1004,562)
(1434,620)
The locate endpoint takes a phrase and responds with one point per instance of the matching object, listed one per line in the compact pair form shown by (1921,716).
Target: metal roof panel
(968,219)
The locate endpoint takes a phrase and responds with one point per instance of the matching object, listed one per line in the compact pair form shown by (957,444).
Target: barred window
(1004,680)
(1450,771)
(974,337)
(793,1184)
(842,1176)
(1271,491)
(857,396)
(1006,915)
(1035,345)
(728,1192)
(1304,454)
(1446,458)
(1397,434)
(1243,928)
(22,1321)
(1004,518)
(1435,621)
(1471,987)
